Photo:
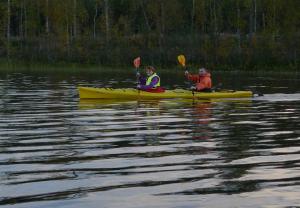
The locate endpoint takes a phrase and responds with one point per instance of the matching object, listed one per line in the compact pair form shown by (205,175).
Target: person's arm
(142,80)
(193,78)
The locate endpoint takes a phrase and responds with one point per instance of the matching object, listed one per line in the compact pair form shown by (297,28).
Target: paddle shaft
(137,77)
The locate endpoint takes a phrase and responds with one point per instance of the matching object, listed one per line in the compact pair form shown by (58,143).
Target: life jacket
(202,82)
(156,88)
(149,79)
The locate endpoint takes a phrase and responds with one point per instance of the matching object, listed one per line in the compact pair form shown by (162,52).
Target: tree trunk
(251,9)
(145,15)
(215,19)
(238,32)
(264,21)
(255,13)
(21,20)
(25,20)
(215,32)
(274,20)
(68,32)
(47,17)
(74,19)
(147,35)
(47,31)
(8,29)
(95,17)
(107,21)
(162,19)
(162,30)
(193,16)
(204,26)
(295,58)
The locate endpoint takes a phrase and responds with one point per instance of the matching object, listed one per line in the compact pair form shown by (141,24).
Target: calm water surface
(58,151)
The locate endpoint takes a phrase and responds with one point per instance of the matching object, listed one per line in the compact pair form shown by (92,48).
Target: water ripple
(55,149)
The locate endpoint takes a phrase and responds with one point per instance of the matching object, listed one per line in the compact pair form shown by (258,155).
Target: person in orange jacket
(202,80)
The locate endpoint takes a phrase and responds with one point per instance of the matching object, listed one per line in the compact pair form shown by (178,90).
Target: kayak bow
(130,93)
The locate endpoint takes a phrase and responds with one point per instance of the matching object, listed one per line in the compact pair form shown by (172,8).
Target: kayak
(130,93)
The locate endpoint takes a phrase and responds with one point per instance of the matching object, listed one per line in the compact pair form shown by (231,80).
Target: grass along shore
(77,68)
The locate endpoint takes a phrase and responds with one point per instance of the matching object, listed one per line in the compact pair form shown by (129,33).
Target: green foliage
(239,33)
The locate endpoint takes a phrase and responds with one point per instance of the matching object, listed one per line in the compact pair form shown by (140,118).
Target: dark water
(57,151)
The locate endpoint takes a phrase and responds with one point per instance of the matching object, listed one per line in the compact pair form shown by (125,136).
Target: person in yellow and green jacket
(151,83)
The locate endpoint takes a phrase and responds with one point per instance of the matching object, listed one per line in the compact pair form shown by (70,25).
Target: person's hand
(138,86)
(186,73)
(138,74)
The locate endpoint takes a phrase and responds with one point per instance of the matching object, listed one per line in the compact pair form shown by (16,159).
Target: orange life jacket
(202,81)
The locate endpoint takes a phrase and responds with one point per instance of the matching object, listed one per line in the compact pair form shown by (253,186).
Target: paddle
(181,60)
(136,64)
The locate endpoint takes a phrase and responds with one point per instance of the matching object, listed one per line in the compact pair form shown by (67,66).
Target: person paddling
(202,80)
(151,83)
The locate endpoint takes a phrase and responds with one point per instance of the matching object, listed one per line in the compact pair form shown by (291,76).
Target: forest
(233,34)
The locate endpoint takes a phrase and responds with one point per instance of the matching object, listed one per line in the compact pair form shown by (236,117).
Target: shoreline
(75,68)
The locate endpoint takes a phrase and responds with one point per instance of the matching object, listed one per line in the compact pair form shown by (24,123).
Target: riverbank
(59,67)
(77,68)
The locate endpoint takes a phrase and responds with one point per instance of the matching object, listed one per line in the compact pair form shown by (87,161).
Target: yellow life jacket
(149,79)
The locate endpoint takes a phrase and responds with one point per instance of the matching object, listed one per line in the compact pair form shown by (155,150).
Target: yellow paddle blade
(181,60)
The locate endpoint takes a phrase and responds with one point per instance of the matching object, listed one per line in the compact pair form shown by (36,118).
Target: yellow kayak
(130,93)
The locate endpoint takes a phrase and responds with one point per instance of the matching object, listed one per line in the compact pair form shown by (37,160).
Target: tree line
(236,33)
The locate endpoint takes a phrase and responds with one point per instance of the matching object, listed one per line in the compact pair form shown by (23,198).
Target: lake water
(59,151)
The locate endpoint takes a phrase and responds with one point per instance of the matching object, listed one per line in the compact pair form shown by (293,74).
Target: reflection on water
(58,151)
